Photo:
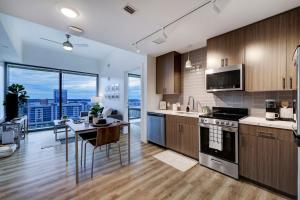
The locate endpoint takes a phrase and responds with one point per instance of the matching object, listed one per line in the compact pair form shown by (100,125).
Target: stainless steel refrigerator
(296,132)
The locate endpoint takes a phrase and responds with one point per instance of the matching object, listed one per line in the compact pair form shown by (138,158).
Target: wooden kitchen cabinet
(268,156)
(226,49)
(287,162)
(248,152)
(265,55)
(182,135)
(168,73)
(173,136)
(293,39)
(190,137)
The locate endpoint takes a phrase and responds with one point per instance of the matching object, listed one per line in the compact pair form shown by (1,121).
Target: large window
(76,94)
(52,93)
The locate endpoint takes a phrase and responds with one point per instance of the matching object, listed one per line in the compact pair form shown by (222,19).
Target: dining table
(80,127)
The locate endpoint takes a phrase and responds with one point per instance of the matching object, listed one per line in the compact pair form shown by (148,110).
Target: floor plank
(35,173)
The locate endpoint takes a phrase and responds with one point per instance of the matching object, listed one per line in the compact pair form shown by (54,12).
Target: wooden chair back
(107,135)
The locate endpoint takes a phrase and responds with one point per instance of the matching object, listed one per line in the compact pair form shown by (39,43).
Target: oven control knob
(227,123)
(217,122)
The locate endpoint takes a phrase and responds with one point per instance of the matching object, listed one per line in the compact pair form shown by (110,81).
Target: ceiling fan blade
(81,45)
(51,41)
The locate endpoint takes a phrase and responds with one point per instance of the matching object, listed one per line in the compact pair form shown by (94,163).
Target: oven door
(230,144)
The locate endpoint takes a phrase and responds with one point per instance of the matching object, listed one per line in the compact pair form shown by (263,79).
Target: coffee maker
(271,109)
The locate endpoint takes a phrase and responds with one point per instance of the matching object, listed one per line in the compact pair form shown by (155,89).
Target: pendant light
(188,63)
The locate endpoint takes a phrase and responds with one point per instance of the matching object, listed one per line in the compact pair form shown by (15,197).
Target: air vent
(129,9)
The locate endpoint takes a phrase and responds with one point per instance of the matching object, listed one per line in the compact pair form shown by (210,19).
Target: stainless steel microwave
(229,78)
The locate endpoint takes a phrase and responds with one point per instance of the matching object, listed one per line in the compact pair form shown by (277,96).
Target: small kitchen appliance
(219,143)
(271,109)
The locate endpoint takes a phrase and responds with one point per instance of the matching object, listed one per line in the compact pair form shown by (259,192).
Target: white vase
(95,120)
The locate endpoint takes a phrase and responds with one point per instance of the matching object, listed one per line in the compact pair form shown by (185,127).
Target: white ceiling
(31,33)
(105,21)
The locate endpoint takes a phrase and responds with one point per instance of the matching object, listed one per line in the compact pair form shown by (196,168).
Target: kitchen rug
(176,160)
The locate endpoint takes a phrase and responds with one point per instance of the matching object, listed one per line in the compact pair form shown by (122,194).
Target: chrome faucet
(190,97)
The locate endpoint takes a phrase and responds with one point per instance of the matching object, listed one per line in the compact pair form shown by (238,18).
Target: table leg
(76,157)
(67,143)
(128,135)
(55,133)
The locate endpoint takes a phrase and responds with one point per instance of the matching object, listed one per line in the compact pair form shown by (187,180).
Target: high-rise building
(57,96)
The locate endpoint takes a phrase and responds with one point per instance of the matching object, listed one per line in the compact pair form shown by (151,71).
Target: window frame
(60,72)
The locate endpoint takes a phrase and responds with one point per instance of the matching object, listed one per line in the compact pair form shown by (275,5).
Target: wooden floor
(35,173)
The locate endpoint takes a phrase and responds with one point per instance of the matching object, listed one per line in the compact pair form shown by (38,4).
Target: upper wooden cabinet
(265,55)
(293,39)
(168,73)
(226,49)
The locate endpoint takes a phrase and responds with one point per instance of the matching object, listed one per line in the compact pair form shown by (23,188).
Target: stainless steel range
(219,139)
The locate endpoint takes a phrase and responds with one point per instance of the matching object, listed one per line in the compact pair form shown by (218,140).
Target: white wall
(113,70)
(1,91)
(150,100)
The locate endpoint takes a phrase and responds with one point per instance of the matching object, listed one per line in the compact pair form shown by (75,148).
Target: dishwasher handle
(156,114)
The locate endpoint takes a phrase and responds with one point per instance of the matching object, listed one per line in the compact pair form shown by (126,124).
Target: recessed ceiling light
(69,12)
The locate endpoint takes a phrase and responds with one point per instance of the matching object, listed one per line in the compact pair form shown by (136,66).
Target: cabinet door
(168,75)
(293,39)
(229,46)
(173,133)
(248,152)
(234,47)
(214,52)
(265,55)
(287,163)
(160,71)
(268,160)
(190,138)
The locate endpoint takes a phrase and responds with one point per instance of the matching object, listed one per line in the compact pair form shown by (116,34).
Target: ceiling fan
(67,45)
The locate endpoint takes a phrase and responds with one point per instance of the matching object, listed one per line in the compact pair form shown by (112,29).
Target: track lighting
(215,8)
(136,48)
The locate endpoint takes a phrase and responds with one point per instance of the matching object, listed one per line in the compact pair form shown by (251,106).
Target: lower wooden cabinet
(268,156)
(182,135)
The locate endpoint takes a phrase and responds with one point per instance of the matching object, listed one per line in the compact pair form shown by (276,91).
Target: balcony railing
(134,112)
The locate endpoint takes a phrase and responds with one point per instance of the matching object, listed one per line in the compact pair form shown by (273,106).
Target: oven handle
(224,128)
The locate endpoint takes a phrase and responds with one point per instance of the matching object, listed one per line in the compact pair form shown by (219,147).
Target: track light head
(215,8)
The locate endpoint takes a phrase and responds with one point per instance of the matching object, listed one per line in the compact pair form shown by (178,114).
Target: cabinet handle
(222,62)
(266,135)
(283,83)
(291,83)
(226,61)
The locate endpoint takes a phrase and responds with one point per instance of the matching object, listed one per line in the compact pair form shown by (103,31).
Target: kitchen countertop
(261,121)
(178,113)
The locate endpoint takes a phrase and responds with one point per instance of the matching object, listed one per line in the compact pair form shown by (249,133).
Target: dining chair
(84,138)
(106,136)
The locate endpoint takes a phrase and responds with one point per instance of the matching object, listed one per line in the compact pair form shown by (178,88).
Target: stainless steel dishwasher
(156,128)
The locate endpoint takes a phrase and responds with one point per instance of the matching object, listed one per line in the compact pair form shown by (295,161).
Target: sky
(41,84)
(134,88)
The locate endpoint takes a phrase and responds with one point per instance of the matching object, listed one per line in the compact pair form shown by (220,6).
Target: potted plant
(15,99)
(95,111)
